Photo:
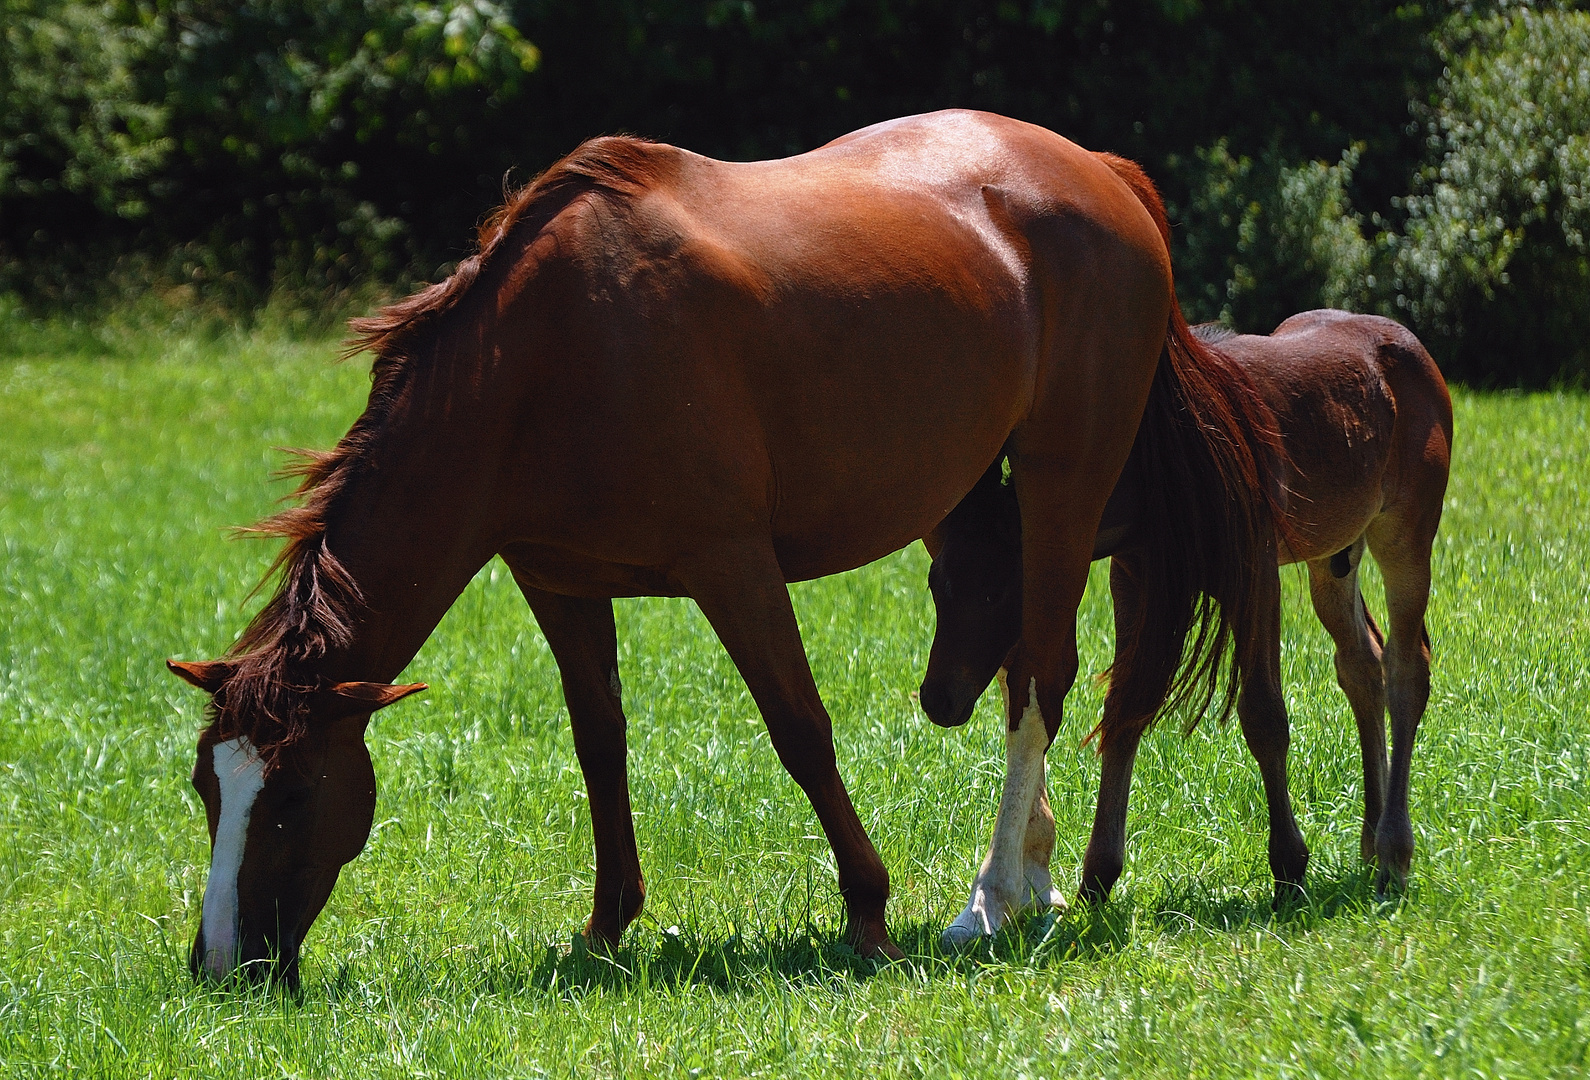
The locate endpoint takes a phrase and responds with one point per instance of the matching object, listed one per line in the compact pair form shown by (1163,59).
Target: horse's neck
(410,529)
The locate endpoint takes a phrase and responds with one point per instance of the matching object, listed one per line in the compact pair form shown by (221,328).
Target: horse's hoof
(871,940)
(885,951)
(1092,896)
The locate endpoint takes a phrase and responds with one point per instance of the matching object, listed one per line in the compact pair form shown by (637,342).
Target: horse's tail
(1210,456)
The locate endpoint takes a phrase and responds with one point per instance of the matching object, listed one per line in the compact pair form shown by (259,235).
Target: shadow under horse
(665,375)
(1365,422)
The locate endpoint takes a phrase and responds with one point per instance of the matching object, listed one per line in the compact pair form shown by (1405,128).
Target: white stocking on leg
(1002,888)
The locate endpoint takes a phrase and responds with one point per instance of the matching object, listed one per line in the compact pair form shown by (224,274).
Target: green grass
(446,948)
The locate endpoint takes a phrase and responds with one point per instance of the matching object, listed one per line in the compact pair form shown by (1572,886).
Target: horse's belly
(840,506)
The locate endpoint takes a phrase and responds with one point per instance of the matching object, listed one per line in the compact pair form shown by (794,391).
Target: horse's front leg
(582,638)
(742,593)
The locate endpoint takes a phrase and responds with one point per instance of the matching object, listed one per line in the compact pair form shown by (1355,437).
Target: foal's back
(1360,404)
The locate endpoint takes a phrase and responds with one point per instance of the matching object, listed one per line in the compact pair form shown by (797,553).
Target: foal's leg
(581,635)
(1118,742)
(1403,556)
(1037,851)
(1060,505)
(1340,607)
(1261,708)
(743,595)
(1015,873)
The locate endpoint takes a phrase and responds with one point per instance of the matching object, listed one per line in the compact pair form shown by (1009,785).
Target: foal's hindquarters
(1366,423)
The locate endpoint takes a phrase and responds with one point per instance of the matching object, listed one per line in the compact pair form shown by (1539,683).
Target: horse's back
(846,337)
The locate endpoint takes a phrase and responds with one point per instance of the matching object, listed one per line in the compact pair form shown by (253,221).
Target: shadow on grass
(745,964)
(1328,893)
(657,959)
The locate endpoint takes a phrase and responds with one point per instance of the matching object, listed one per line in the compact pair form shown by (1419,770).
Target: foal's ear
(353,698)
(207,675)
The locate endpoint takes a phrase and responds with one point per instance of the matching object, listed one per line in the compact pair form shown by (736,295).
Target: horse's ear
(207,675)
(352,698)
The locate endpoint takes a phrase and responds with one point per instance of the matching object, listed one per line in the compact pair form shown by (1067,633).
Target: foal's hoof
(957,937)
(1288,895)
(591,943)
(1389,883)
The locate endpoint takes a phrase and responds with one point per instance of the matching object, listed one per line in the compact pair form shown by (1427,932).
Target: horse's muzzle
(258,963)
(949,701)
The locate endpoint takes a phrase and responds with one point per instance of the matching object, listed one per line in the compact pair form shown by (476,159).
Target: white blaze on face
(241,774)
(1002,887)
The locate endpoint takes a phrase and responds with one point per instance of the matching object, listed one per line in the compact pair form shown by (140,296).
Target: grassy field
(446,950)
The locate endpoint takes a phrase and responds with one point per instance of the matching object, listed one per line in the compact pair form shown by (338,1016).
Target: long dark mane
(316,604)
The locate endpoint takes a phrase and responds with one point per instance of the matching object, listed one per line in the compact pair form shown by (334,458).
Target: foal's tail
(1211,459)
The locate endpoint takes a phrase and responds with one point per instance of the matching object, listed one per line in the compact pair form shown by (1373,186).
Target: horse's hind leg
(742,593)
(1261,707)
(1403,555)
(582,638)
(1106,854)
(1340,607)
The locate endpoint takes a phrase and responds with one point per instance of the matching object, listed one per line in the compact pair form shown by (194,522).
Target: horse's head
(976,585)
(283,821)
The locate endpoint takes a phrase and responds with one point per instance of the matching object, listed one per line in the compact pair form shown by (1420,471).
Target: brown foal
(1366,427)
(665,375)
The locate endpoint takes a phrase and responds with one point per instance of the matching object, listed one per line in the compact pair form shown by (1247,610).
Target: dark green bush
(1486,258)
(1492,262)
(228,151)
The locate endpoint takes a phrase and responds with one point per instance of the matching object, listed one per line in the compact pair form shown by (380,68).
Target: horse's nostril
(945,703)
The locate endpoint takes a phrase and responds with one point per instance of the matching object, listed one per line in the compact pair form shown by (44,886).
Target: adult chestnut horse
(668,375)
(1366,427)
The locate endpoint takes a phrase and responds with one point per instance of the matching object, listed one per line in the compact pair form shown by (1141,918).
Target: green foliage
(314,143)
(1493,258)
(77,137)
(1487,257)
(294,117)
(445,949)
(229,150)
(253,144)
(1297,242)
(71,119)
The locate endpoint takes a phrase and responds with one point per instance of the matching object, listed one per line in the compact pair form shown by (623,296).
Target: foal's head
(976,585)
(284,816)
